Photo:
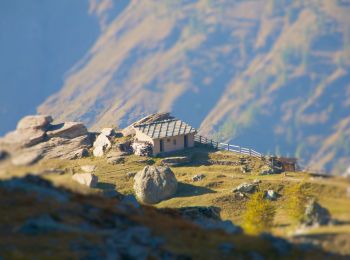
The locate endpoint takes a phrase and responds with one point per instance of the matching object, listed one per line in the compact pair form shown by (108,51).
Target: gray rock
(315,214)
(198,177)
(67,130)
(88,168)
(209,218)
(271,195)
(245,188)
(101,145)
(154,184)
(116,160)
(108,132)
(266,170)
(63,148)
(175,161)
(22,138)
(130,174)
(34,121)
(26,158)
(142,149)
(87,179)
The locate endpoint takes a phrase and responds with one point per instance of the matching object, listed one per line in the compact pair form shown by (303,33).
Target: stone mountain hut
(167,135)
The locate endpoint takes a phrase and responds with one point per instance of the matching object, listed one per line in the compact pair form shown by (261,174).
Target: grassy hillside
(268,74)
(216,190)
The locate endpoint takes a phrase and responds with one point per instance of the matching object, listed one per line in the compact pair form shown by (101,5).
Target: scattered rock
(116,160)
(271,195)
(34,121)
(245,188)
(315,214)
(67,130)
(87,179)
(142,149)
(256,181)
(108,132)
(88,168)
(154,184)
(240,195)
(198,177)
(131,174)
(26,158)
(101,145)
(175,161)
(266,170)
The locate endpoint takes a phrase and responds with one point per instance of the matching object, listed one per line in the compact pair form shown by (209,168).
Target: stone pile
(142,149)
(315,214)
(37,138)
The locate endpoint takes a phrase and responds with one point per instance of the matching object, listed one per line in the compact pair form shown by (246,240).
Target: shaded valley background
(272,75)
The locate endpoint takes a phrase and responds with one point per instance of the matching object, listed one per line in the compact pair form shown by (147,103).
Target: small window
(174,141)
(168,140)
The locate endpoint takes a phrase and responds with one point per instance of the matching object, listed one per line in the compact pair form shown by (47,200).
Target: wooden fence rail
(227,147)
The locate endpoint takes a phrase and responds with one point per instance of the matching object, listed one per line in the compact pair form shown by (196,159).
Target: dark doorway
(185,141)
(161,144)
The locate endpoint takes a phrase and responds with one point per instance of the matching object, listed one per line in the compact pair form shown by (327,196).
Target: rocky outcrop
(175,161)
(34,122)
(109,132)
(36,138)
(246,188)
(198,177)
(68,130)
(315,214)
(154,184)
(87,179)
(209,218)
(271,195)
(114,226)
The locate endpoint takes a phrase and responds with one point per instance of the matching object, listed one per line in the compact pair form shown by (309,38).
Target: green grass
(215,189)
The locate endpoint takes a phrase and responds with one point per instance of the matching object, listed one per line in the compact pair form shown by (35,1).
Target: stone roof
(165,128)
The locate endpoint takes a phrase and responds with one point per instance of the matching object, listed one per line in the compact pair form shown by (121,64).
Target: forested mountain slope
(273,75)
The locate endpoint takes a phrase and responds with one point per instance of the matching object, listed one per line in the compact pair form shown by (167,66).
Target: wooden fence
(227,147)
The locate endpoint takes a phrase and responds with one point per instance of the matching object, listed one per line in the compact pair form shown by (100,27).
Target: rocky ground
(90,205)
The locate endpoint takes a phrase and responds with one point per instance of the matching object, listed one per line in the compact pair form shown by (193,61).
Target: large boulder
(34,121)
(101,145)
(87,179)
(154,184)
(315,214)
(67,130)
(246,188)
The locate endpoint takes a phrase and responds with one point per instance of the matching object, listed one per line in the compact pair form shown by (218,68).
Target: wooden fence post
(200,139)
(228,147)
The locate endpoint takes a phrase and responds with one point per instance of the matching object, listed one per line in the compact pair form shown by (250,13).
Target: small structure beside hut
(164,133)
